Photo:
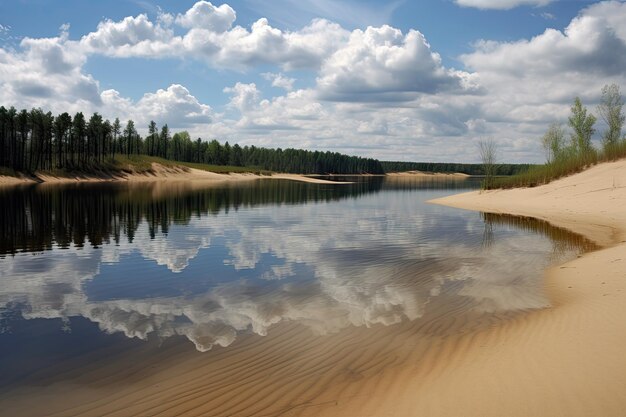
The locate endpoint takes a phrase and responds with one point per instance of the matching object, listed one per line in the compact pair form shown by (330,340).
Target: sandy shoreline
(160,173)
(590,203)
(446,175)
(568,360)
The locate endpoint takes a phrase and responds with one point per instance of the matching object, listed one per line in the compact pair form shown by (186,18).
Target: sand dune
(568,360)
(591,203)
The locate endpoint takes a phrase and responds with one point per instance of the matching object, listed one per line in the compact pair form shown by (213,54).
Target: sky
(395,80)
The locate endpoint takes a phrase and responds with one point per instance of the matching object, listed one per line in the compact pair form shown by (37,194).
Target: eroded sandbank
(158,173)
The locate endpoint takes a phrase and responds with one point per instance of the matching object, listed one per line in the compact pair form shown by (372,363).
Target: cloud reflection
(382,261)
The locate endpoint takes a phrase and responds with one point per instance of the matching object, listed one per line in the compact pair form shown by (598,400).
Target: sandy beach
(567,360)
(418,174)
(160,173)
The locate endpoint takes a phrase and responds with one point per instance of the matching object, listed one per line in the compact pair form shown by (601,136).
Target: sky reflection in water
(208,264)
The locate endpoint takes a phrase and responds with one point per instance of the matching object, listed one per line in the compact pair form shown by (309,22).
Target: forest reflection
(34,218)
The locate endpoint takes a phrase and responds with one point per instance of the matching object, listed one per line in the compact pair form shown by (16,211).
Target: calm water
(82,267)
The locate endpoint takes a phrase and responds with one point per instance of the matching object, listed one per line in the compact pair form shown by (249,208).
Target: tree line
(469,169)
(36,140)
(290,160)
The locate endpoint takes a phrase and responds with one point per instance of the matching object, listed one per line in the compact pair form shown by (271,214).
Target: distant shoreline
(451,175)
(161,173)
(158,174)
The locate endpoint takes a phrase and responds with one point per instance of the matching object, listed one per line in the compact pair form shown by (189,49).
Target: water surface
(88,272)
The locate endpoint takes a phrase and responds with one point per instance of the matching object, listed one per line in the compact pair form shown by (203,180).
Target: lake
(266,297)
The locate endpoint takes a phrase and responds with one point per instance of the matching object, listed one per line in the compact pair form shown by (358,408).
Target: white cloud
(205,15)
(47,73)
(174,105)
(381,64)
(245,97)
(132,36)
(212,39)
(279,80)
(535,80)
(502,4)
(593,43)
(240,48)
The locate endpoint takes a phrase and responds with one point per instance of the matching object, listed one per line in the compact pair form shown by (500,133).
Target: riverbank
(566,360)
(421,174)
(157,173)
(173,173)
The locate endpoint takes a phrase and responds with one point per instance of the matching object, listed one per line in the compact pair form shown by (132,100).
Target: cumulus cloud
(401,68)
(241,48)
(210,37)
(594,42)
(279,80)
(174,105)
(47,71)
(382,63)
(534,80)
(205,15)
(245,97)
(132,36)
(502,4)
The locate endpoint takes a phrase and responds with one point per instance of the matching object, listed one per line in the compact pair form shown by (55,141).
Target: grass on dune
(562,167)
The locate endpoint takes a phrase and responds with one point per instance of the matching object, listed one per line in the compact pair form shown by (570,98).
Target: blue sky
(391,79)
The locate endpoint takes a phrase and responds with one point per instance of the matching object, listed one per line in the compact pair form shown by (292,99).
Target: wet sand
(289,372)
